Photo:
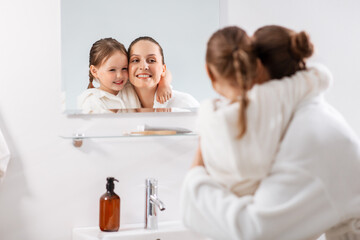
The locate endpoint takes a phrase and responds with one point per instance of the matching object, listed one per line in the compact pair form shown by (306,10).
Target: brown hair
(229,53)
(150,39)
(282,51)
(100,51)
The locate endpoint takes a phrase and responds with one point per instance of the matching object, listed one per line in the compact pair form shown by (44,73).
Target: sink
(166,231)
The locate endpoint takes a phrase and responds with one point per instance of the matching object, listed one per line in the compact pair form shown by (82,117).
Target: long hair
(229,53)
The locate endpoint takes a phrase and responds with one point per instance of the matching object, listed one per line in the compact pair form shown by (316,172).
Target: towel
(4,156)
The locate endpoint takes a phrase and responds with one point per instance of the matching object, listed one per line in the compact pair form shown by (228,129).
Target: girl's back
(240,163)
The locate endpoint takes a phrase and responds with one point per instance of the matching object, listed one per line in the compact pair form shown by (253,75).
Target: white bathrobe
(95,100)
(313,187)
(178,100)
(240,164)
(4,156)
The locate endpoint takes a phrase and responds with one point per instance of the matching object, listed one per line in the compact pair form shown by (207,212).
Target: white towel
(4,156)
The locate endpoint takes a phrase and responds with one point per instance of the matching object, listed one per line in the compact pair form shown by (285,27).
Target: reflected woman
(146,68)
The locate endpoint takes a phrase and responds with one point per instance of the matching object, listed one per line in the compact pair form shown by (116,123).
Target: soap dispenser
(109,217)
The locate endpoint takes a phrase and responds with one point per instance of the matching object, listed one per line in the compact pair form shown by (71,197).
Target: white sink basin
(166,231)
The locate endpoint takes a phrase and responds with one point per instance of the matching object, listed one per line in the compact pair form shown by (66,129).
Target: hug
(272,152)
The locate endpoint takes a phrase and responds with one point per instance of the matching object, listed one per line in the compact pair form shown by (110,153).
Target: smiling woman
(146,68)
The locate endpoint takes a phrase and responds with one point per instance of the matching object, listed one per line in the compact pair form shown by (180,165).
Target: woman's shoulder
(308,83)
(320,71)
(182,99)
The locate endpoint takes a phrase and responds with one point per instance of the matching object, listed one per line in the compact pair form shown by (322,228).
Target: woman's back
(318,166)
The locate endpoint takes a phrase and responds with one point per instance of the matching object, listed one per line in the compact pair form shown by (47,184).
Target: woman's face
(145,65)
(113,73)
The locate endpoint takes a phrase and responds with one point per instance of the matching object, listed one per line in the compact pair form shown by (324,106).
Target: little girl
(108,65)
(240,135)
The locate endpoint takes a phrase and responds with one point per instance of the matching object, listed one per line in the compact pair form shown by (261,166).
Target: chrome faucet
(152,201)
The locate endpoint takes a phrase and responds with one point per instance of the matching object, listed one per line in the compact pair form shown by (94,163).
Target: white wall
(51,187)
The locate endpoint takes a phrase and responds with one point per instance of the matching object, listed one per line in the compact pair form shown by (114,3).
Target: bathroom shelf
(78,138)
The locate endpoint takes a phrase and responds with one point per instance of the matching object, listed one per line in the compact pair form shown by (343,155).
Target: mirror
(182,28)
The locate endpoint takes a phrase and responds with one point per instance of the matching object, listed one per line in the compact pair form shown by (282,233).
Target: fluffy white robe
(95,100)
(312,187)
(4,156)
(240,164)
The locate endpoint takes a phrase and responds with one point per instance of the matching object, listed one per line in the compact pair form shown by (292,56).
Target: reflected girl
(146,67)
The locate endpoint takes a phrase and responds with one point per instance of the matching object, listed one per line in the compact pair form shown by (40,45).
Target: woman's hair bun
(301,46)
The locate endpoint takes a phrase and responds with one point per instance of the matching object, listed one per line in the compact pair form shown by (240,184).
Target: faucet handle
(157,202)
(151,185)
(151,182)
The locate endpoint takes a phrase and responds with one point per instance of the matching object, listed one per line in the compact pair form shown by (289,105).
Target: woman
(146,67)
(312,187)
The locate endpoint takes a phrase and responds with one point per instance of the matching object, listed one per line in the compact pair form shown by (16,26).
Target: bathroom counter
(166,230)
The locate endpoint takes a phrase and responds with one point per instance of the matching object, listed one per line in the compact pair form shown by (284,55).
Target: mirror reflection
(141,59)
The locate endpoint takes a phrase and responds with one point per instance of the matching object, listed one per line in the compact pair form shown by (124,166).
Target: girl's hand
(164,91)
(198,160)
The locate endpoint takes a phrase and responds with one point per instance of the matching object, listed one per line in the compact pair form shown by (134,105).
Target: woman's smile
(143,76)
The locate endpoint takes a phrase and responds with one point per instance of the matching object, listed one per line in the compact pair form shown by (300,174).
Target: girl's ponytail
(243,67)
(229,52)
(91,79)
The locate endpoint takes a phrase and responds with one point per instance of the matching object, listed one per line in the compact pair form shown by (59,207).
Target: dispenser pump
(110,184)
(109,216)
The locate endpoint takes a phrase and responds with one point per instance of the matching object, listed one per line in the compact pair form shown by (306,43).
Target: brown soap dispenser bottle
(109,217)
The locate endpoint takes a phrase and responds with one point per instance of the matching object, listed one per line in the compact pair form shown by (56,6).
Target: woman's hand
(198,160)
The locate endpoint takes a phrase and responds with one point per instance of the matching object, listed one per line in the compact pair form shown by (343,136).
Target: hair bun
(301,46)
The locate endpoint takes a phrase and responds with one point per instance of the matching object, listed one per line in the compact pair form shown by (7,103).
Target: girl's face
(145,65)
(113,73)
